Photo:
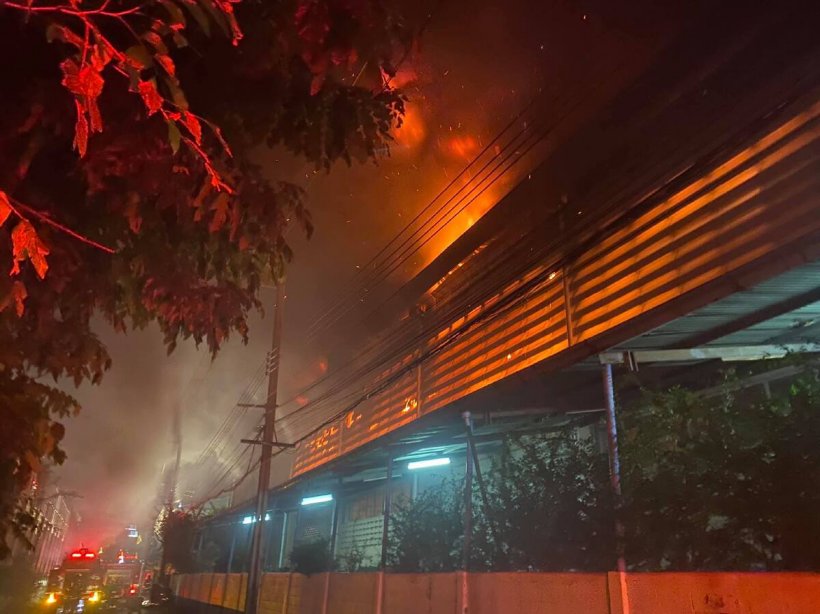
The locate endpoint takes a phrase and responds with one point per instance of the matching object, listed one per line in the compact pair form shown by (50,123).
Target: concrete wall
(718,593)
(503,593)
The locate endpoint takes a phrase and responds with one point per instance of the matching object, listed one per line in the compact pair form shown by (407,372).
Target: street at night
(390,307)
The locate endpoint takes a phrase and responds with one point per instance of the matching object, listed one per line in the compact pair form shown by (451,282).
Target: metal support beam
(386,512)
(724,353)
(334,522)
(485,500)
(231,551)
(468,500)
(614,463)
(281,560)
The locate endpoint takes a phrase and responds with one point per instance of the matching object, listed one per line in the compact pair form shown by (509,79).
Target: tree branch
(47,220)
(70,11)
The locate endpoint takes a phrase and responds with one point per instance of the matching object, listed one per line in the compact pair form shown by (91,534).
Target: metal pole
(468,499)
(614,462)
(281,560)
(231,552)
(485,500)
(254,569)
(385,534)
(334,523)
(386,512)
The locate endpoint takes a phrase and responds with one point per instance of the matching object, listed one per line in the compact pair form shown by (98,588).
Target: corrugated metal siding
(525,334)
(760,199)
(729,218)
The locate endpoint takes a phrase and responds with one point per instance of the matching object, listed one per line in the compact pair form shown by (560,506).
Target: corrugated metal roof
(797,325)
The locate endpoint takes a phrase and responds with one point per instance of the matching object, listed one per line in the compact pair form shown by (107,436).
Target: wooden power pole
(267,443)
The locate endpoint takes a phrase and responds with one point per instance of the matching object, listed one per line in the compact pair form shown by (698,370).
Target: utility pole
(267,442)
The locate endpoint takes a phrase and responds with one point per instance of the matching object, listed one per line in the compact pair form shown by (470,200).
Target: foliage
(311,557)
(129,183)
(426,532)
(550,508)
(29,438)
(205,559)
(351,560)
(177,534)
(726,478)
(725,481)
(17,587)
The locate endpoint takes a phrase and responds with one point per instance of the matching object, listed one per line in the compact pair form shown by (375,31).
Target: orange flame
(413,131)
(464,147)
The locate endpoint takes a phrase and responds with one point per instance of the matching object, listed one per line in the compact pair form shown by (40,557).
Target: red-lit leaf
(16,295)
(174,136)
(221,139)
(316,83)
(177,95)
(5,207)
(81,130)
(19,294)
(100,56)
(26,243)
(167,63)
(150,96)
(235,218)
(236,32)
(94,116)
(58,32)
(220,209)
(193,125)
(82,81)
(155,40)
(177,17)
(139,57)
(312,21)
(133,215)
(199,16)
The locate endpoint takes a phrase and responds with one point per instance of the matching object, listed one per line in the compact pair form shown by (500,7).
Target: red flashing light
(132,590)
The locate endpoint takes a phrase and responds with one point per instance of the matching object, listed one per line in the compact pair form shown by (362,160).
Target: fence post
(616,592)
(463,595)
(380,592)
(224,589)
(327,593)
(286,596)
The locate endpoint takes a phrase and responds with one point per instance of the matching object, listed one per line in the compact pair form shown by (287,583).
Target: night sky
(480,62)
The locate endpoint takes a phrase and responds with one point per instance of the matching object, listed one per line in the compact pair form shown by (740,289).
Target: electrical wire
(371,269)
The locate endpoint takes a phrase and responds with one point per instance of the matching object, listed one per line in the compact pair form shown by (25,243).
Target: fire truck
(85,584)
(121,582)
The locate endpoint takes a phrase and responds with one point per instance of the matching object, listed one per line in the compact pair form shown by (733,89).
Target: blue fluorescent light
(247,520)
(430,462)
(317,499)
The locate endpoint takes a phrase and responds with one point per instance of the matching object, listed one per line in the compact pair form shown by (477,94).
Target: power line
(371,271)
